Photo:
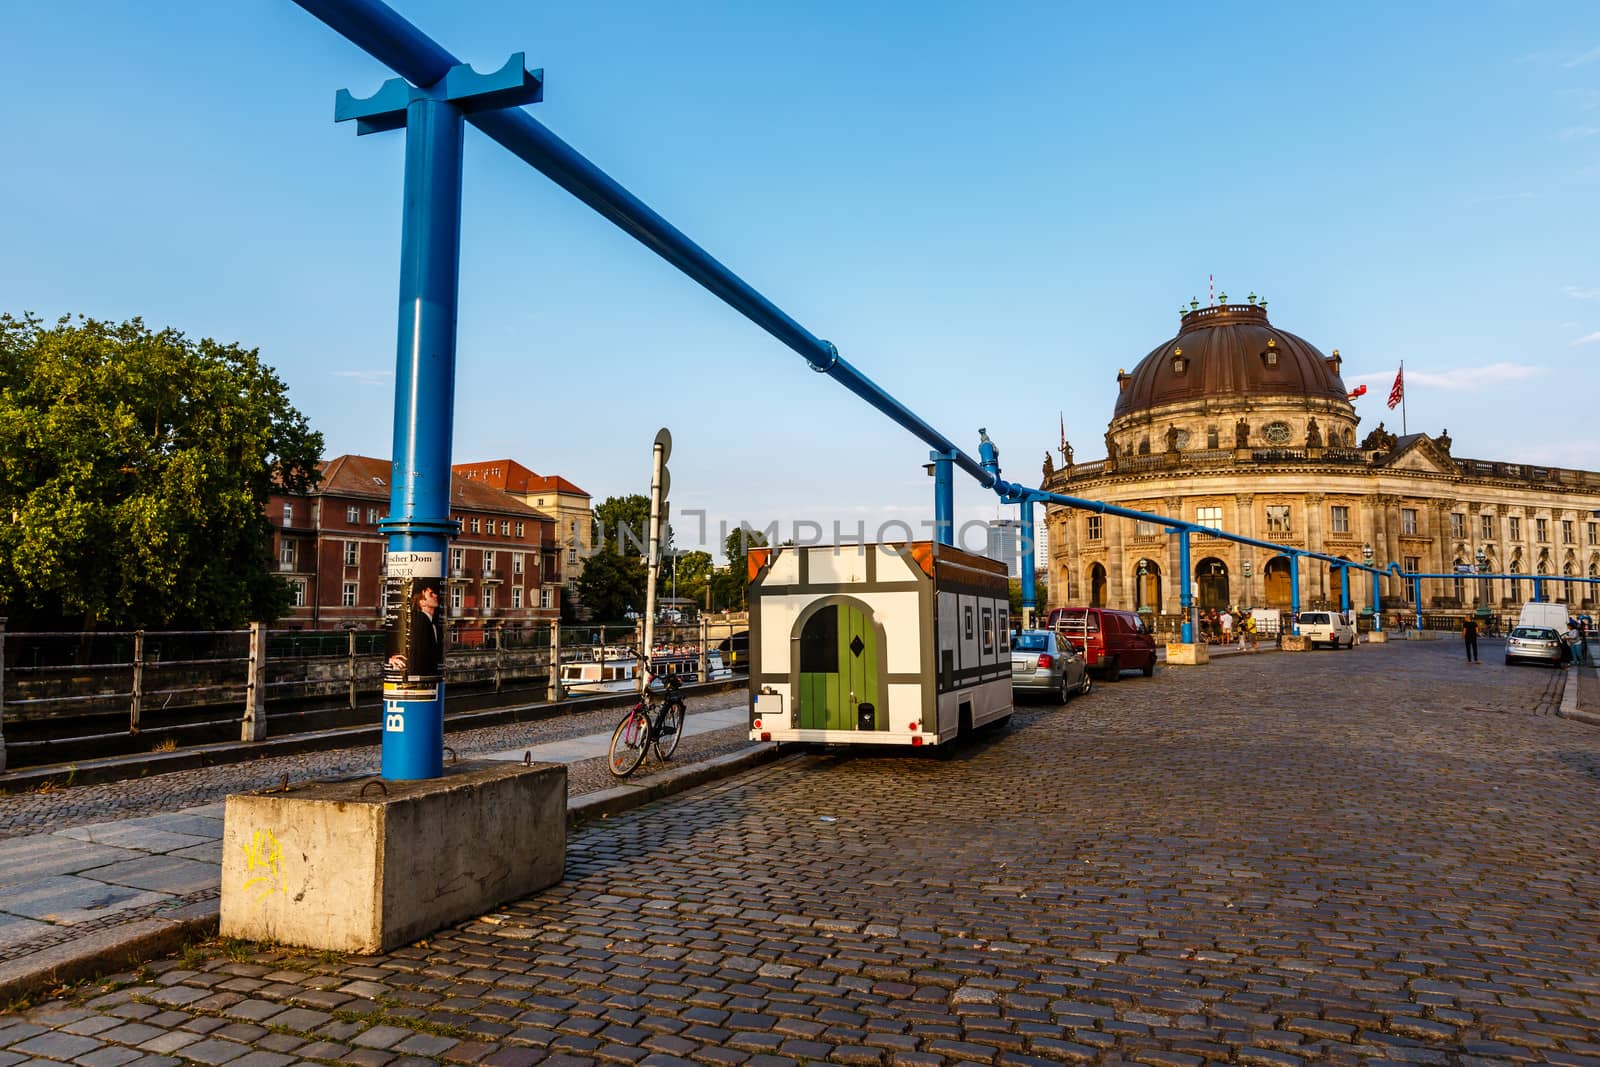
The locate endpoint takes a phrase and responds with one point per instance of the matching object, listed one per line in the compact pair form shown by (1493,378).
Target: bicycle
(640,729)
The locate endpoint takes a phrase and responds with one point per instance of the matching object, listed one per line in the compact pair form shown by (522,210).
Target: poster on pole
(413,623)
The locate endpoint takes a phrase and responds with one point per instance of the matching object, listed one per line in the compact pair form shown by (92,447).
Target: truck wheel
(1150,668)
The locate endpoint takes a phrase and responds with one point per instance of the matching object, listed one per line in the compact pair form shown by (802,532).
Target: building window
(1209,517)
(1092,528)
(505,527)
(572,585)
(1566,531)
(1594,532)
(372,516)
(455,599)
(1413,565)
(1277,518)
(1514,526)
(488,563)
(516,562)
(288,515)
(1341,519)
(1516,586)
(473,525)
(349,598)
(352,553)
(352,514)
(488,598)
(519,529)
(1408,521)
(1211,437)
(1458,526)
(286,553)
(1458,585)
(1486,524)
(572,555)
(516,596)
(1141,528)
(458,562)
(1541,529)
(544,597)
(297,593)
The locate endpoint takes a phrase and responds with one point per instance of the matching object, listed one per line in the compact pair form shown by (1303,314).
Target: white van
(1329,628)
(1537,613)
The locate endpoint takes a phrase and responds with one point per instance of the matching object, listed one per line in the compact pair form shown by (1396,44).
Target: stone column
(1116,568)
(1314,502)
(1245,515)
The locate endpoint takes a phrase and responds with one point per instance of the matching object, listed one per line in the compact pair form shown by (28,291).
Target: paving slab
(180,823)
(27,859)
(160,874)
(67,899)
(124,835)
(15,930)
(210,852)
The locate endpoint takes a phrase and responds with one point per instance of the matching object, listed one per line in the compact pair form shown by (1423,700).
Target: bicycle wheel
(669,730)
(628,744)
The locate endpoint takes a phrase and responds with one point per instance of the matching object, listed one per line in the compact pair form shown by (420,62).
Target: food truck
(885,644)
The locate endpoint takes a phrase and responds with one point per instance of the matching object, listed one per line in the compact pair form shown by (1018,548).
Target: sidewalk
(111,893)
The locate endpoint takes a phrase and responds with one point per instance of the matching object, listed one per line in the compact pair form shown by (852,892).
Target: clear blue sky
(988,208)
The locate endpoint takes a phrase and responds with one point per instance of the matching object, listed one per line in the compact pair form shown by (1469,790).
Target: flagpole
(1403,430)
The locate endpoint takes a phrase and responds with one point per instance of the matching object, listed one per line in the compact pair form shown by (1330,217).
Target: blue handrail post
(1344,590)
(1538,589)
(1294,592)
(1185,596)
(1377,616)
(1025,509)
(1416,598)
(944,499)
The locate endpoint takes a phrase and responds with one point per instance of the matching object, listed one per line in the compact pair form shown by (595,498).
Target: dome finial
(1194,303)
(1252,296)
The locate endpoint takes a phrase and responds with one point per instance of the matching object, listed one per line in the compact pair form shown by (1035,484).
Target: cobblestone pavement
(1376,856)
(32,813)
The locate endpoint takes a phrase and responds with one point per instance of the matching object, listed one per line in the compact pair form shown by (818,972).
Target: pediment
(1421,453)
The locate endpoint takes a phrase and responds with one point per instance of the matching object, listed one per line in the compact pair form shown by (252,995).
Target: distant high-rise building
(1004,544)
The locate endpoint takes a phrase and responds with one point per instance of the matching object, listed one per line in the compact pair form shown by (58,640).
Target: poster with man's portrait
(414,621)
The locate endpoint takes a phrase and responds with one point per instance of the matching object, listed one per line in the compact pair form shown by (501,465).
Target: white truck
(1541,613)
(1331,628)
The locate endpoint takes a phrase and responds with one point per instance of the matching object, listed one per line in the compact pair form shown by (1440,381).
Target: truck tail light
(765,736)
(756,725)
(916,742)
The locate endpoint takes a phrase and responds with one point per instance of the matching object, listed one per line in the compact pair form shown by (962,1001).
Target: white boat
(616,670)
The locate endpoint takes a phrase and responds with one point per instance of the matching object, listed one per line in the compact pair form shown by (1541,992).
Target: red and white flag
(1360,390)
(1398,393)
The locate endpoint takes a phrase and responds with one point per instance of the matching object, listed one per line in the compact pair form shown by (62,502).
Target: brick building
(503,568)
(553,495)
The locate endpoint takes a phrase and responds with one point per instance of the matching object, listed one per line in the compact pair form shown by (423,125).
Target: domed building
(1241,426)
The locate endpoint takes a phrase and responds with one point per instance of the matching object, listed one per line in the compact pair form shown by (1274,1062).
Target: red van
(1112,641)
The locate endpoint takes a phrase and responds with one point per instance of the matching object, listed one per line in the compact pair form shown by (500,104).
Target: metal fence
(104,676)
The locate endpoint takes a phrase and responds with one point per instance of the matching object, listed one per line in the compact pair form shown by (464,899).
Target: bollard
(499,656)
(704,677)
(553,687)
(350,667)
(2,694)
(136,698)
(254,727)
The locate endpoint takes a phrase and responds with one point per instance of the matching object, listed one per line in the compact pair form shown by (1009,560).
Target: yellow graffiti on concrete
(264,854)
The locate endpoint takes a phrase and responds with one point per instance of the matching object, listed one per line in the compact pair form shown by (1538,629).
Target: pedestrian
(1247,631)
(1227,627)
(1574,645)
(1469,633)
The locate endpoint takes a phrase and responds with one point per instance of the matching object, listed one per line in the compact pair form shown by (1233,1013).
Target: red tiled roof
(553,483)
(369,478)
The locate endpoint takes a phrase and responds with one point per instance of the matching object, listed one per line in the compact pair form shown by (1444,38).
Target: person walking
(1227,627)
(1247,631)
(1469,634)
(1574,643)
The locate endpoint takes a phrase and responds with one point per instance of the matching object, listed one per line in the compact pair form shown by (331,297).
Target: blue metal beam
(382,33)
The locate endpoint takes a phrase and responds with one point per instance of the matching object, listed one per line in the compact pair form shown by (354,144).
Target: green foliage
(135,468)
(628,514)
(693,573)
(728,587)
(1041,597)
(612,585)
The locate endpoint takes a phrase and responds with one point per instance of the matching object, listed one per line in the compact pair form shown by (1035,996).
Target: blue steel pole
(1377,616)
(1185,597)
(1344,590)
(1028,605)
(944,499)
(1294,591)
(1538,590)
(1416,598)
(419,496)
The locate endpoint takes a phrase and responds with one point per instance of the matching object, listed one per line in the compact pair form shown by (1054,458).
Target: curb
(122,768)
(119,947)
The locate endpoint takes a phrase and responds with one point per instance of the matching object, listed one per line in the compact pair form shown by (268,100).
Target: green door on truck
(838,662)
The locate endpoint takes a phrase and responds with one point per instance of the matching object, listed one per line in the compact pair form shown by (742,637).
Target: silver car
(1047,664)
(1536,642)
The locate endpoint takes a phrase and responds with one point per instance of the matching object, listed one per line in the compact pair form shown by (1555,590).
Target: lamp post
(1481,558)
(1143,569)
(1376,608)
(1246,568)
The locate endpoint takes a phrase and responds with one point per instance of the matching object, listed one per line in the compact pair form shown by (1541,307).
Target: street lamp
(1366,553)
(1247,568)
(1482,559)
(1144,568)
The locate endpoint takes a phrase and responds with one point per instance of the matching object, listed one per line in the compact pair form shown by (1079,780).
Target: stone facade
(1262,449)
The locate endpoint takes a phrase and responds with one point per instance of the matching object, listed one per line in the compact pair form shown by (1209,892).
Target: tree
(612,585)
(135,467)
(622,524)
(728,587)
(1041,597)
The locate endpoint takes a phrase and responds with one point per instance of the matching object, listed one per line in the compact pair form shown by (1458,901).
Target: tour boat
(615,670)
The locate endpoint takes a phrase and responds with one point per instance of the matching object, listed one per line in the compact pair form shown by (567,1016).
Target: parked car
(1047,664)
(1111,641)
(1541,643)
(1329,628)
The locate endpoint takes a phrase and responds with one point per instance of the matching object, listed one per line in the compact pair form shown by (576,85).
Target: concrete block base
(1296,643)
(1377,637)
(1180,654)
(338,866)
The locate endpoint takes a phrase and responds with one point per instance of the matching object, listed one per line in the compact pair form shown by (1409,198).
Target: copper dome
(1227,352)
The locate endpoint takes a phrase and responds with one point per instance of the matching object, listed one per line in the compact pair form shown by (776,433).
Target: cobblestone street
(1382,855)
